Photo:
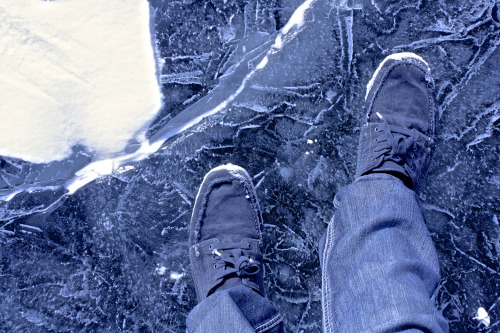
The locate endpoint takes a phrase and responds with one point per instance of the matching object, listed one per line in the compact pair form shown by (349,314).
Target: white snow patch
(123,169)
(297,18)
(176,276)
(161,270)
(9,197)
(483,317)
(262,63)
(102,167)
(75,72)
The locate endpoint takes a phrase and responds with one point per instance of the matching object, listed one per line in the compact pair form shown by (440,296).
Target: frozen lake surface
(93,243)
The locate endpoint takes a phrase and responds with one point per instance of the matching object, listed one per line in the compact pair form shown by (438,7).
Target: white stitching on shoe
(394,56)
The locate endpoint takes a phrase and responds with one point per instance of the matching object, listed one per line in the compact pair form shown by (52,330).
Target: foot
(400,129)
(225,238)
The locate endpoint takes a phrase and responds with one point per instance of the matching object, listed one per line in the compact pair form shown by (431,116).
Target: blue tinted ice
(276,87)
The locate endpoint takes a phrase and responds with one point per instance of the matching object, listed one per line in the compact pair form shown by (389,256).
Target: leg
(380,268)
(226,257)
(237,309)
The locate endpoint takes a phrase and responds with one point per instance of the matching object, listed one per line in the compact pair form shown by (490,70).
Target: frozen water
(113,255)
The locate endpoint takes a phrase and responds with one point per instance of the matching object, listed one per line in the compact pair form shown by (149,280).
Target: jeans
(380,270)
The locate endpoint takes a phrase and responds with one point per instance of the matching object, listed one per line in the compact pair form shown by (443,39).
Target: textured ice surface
(113,256)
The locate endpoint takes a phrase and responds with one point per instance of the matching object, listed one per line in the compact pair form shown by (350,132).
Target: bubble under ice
(91,261)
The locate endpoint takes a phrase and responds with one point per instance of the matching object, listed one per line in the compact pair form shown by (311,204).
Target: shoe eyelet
(376,129)
(210,247)
(249,246)
(215,266)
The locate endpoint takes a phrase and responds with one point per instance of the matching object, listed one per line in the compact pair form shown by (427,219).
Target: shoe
(400,128)
(225,237)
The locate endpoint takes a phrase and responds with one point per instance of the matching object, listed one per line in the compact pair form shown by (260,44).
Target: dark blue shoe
(225,237)
(401,114)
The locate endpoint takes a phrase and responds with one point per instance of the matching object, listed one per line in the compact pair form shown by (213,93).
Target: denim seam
(270,324)
(327,326)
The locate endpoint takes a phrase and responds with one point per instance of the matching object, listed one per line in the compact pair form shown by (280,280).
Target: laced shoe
(225,236)
(400,129)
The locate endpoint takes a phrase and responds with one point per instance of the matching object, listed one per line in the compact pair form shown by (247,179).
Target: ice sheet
(113,255)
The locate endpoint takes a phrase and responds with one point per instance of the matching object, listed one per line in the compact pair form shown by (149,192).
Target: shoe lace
(395,143)
(233,260)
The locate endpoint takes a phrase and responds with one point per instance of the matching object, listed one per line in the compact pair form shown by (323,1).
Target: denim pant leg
(380,269)
(237,309)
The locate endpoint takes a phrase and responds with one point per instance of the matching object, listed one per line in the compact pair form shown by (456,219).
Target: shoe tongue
(232,280)
(236,281)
